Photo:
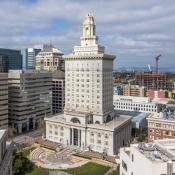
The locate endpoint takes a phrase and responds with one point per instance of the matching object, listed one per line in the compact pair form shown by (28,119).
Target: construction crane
(157,62)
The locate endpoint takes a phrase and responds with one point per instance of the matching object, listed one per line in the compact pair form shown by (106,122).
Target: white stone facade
(88,121)
(144,159)
(140,104)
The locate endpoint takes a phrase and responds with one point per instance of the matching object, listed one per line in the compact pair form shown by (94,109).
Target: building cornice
(102,56)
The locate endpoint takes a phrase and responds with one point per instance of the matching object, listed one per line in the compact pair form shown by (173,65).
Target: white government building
(89,121)
(140,104)
(157,158)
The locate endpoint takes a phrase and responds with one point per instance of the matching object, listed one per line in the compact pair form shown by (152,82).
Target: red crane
(157,62)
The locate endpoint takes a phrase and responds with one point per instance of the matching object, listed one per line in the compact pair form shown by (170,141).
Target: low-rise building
(3,100)
(6,153)
(156,158)
(157,94)
(139,119)
(140,104)
(104,138)
(161,126)
(134,90)
(30,99)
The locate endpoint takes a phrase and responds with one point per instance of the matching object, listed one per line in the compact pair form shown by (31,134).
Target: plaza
(50,159)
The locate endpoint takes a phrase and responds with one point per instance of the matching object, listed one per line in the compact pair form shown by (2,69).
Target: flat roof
(110,126)
(156,151)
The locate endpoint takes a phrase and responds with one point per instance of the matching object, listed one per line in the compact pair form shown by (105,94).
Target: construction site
(153,80)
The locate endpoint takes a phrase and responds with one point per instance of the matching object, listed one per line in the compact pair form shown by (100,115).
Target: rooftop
(158,151)
(163,116)
(110,126)
(143,99)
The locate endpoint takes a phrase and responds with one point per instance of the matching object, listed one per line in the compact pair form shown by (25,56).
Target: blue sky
(134,30)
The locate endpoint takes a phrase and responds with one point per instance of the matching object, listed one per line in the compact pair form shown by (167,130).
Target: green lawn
(37,171)
(89,169)
(115,173)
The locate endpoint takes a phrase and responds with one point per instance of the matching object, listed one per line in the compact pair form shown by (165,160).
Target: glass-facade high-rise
(31,57)
(11,58)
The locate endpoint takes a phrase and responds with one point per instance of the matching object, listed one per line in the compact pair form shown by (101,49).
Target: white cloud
(133,30)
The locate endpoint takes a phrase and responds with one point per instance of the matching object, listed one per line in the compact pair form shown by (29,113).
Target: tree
(22,165)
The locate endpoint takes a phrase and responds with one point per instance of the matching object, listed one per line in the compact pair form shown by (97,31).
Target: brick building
(161,126)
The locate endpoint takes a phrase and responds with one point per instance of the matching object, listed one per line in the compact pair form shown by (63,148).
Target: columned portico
(75,137)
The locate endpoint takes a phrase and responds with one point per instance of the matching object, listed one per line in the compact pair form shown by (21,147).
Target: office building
(161,126)
(6,154)
(30,99)
(14,58)
(89,121)
(133,90)
(153,80)
(58,91)
(31,54)
(140,104)
(49,58)
(156,158)
(4,63)
(118,89)
(3,100)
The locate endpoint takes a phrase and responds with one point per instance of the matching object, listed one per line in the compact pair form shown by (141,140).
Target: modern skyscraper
(30,99)
(58,91)
(4,63)
(49,58)
(3,100)
(31,54)
(89,120)
(14,58)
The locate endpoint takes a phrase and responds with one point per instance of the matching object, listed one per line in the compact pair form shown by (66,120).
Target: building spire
(89,40)
(89,31)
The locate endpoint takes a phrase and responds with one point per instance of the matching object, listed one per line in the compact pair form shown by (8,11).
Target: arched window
(97,122)
(75,120)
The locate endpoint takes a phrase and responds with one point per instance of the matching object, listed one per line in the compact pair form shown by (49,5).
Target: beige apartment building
(133,90)
(49,58)
(3,100)
(30,99)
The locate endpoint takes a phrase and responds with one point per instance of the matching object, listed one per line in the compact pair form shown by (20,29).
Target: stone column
(79,137)
(72,136)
